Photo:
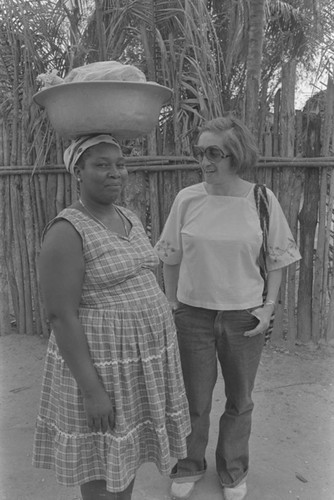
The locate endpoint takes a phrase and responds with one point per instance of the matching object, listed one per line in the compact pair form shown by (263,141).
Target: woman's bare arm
(61,269)
(171,278)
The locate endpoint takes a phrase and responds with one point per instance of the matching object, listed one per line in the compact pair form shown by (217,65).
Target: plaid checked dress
(133,345)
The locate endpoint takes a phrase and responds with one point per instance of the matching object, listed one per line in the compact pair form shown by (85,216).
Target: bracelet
(269,303)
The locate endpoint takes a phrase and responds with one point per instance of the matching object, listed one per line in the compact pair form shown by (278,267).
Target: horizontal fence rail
(157,164)
(304,186)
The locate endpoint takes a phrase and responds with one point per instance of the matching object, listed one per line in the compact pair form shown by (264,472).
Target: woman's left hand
(263,314)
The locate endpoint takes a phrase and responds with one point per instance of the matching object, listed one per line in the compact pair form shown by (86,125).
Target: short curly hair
(238,141)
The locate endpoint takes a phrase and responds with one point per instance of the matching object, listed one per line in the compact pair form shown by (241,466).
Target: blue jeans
(203,335)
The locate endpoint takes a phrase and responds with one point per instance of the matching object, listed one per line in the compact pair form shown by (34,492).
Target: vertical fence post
(289,178)
(4,286)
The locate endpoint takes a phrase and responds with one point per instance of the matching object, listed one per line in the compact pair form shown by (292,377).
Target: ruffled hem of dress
(79,458)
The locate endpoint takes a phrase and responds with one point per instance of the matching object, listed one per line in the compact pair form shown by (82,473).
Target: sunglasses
(212,153)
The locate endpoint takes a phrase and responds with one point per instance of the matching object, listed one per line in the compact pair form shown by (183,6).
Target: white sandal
(239,492)
(179,491)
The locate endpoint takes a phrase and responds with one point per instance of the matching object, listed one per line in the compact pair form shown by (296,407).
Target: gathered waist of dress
(141,292)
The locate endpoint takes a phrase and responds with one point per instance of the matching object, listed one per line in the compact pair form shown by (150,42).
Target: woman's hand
(263,314)
(100,411)
(173,304)
(171,276)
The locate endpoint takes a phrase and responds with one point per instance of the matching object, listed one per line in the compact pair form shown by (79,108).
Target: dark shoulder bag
(262,206)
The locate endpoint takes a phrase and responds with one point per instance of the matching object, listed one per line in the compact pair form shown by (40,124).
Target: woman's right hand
(100,411)
(173,304)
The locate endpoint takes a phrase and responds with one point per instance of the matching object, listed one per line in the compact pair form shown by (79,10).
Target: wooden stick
(308,218)
(160,164)
(325,308)
(15,261)
(4,285)
(319,261)
(28,258)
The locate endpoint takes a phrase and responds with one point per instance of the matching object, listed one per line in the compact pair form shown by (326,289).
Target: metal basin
(124,109)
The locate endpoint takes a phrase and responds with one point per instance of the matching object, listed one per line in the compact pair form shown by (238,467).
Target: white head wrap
(79,145)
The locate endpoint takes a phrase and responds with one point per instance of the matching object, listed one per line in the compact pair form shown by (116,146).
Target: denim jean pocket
(250,313)
(181,307)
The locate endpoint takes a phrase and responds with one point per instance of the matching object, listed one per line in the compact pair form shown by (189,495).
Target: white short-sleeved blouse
(217,241)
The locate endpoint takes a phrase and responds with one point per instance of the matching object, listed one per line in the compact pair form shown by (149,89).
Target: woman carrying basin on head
(113,395)
(214,258)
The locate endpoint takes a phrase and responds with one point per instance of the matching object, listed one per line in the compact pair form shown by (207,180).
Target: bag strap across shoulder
(262,206)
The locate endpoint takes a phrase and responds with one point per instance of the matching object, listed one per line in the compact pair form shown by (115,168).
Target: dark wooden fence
(304,187)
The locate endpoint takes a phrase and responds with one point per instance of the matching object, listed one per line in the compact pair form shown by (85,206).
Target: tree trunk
(255,37)
(100,30)
(287,121)
(276,124)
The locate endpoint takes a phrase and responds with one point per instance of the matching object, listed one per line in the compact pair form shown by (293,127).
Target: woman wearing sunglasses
(210,248)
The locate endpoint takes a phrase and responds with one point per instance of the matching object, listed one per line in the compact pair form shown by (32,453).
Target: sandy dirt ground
(292,443)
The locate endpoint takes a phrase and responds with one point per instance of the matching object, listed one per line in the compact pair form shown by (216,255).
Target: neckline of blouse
(251,189)
(100,223)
